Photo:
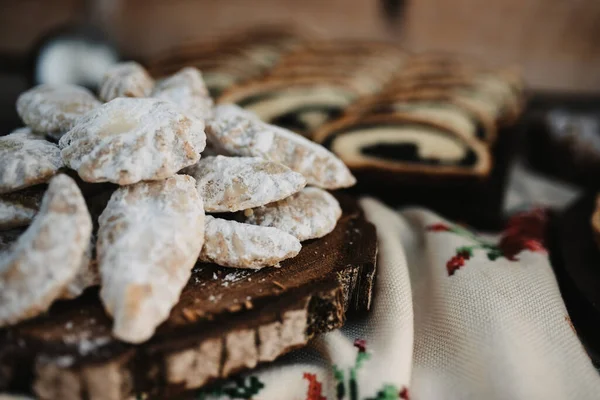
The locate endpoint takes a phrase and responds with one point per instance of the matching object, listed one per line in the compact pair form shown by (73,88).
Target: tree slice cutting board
(226,321)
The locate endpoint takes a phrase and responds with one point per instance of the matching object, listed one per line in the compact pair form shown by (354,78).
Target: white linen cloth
(493,329)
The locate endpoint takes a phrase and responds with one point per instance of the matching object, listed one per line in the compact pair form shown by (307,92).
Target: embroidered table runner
(456,315)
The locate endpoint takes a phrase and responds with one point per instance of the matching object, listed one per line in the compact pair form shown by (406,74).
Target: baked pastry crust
(26,159)
(47,256)
(240,94)
(479,166)
(149,239)
(18,209)
(229,184)
(54,109)
(309,214)
(240,132)
(128,140)
(128,79)
(482,126)
(234,244)
(186,88)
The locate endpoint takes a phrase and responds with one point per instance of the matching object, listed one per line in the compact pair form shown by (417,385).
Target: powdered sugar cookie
(128,140)
(238,245)
(186,89)
(149,239)
(26,159)
(18,208)
(87,274)
(240,132)
(309,214)
(53,109)
(228,184)
(128,79)
(41,263)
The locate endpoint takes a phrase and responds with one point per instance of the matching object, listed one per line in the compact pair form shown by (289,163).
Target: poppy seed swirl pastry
(301,105)
(488,92)
(316,82)
(230,60)
(398,144)
(440,108)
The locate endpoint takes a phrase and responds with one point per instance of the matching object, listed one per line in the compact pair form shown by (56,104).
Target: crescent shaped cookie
(127,79)
(128,140)
(149,238)
(26,160)
(18,209)
(240,132)
(229,184)
(47,256)
(186,88)
(238,245)
(309,214)
(87,274)
(53,109)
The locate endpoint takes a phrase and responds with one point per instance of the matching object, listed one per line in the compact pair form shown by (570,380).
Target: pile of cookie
(264,186)
(315,82)
(230,60)
(440,114)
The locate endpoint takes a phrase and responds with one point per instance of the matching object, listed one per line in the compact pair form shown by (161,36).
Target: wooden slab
(227,321)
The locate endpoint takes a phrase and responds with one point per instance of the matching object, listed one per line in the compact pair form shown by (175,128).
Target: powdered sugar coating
(53,109)
(230,184)
(26,159)
(187,89)
(128,79)
(309,214)
(240,132)
(149,239)
(19,208)
(128,140)
(87,274)
(238,245)
(35,271)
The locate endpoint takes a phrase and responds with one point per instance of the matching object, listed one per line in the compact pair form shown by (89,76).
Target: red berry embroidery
(524,231)
(361,345)
(454,264)
(465,254)
(438,228)
(404,394)
(315,388)
(534,245)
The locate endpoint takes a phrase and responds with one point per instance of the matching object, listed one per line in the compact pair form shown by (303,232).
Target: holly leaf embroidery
(494,254)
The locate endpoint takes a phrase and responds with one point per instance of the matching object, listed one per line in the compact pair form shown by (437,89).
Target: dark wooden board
(227,321)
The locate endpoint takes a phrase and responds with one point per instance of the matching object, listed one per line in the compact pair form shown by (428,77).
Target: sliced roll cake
(234,59)
(496,94)
(314,83)
(301,105)
(441,108)
(405,146)
(375,58)
(348,47)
